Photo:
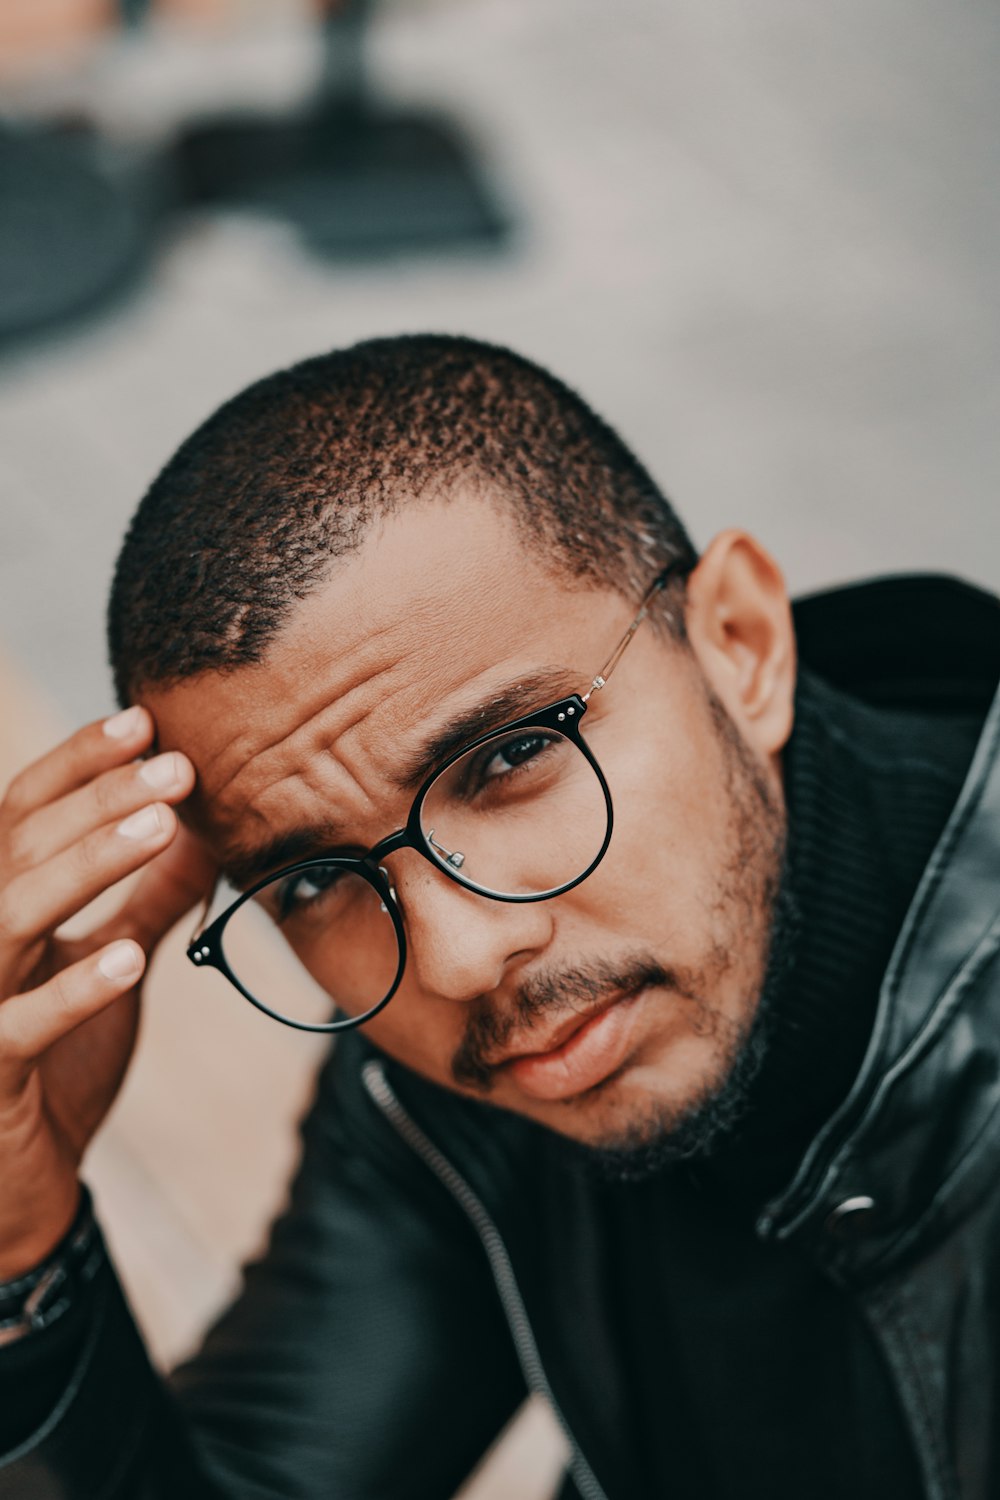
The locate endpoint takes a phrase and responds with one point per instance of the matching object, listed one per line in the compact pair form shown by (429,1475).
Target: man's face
(607,1013)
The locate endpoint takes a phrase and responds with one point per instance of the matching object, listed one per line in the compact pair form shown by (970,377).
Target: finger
(176,881)
(108,799)
(33,1022)
(39,900)
(93,749)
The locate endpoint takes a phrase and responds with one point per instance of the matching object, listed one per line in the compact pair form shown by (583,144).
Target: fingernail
(144,824)
(122,726)
(120,962)
(162,772)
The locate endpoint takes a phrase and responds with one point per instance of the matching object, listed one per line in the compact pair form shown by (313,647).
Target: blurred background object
(74,211)
(78,220)
(48,33)
(763,240)
(82,208)
(356,177)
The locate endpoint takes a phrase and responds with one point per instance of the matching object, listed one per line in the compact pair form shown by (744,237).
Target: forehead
(442,606)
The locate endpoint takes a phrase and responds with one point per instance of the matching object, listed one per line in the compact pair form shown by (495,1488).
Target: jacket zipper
(500,1265)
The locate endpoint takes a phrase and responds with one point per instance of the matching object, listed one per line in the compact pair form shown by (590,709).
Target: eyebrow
(509,702)
(243,867)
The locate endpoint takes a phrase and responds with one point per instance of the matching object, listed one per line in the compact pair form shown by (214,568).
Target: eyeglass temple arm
(660,582)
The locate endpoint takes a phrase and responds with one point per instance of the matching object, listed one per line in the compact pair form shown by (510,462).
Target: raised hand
(71,825)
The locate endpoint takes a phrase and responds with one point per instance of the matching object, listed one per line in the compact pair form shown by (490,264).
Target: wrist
(33,1301)
(43,1237)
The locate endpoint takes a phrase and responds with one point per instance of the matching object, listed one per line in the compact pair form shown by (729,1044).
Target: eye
(512,764)
(512,753)
(298,892)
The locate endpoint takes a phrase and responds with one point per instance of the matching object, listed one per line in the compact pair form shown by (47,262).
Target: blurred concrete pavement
(763,240)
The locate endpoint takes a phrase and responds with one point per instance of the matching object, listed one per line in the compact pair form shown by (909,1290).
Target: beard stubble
(753,917)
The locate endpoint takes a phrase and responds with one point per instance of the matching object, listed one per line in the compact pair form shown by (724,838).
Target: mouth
(579,1054)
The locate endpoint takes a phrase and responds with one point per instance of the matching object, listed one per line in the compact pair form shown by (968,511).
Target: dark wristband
(39,1298)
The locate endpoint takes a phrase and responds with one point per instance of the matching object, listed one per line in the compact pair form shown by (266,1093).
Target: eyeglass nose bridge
(400,839)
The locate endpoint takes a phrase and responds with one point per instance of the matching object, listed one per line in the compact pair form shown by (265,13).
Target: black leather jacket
(409,1297)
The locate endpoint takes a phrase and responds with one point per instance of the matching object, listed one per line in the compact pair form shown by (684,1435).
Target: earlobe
(739,623)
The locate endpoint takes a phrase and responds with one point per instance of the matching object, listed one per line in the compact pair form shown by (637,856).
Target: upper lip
(532,1046)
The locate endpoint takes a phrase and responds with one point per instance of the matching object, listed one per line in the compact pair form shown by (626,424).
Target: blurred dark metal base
(80,216)
(356,183)
(77,222)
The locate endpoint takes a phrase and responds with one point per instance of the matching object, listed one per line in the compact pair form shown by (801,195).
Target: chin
(631,1126)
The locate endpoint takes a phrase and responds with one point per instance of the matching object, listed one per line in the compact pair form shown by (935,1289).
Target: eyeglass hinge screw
(571,711)
(561,717)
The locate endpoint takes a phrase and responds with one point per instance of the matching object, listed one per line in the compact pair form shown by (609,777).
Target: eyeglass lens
(337,926)
(522,815)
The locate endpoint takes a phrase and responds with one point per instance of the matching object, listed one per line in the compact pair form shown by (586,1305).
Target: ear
(739,623)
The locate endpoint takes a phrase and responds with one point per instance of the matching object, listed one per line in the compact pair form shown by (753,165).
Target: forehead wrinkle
(501,701)
(289,741)
(411,618)
(327,772)
(335,731)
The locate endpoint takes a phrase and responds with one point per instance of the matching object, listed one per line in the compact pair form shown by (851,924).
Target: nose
(461,945)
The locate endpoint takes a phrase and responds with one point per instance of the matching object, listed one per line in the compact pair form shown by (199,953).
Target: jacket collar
(918,1137)
(924,642)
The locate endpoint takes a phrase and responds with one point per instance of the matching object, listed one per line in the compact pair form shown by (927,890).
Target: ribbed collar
(868,794)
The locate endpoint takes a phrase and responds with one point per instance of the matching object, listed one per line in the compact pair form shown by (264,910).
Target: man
(676,962)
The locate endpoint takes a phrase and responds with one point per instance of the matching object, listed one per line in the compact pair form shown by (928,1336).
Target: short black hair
(245,518)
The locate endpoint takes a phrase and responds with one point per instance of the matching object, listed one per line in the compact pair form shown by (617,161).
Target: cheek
(421,1033)
(659,878)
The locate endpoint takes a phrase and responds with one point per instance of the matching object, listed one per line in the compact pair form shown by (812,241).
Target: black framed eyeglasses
(522,813)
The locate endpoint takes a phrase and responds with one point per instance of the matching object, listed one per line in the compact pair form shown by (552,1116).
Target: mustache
(552,995)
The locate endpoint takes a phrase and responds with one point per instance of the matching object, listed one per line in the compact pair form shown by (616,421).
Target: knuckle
(12,1041)
(61,991)
(106,792)
(19,846)
(13,917)
(15,798)
(89,855)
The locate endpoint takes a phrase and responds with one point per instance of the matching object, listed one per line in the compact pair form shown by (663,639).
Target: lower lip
(590,1056)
